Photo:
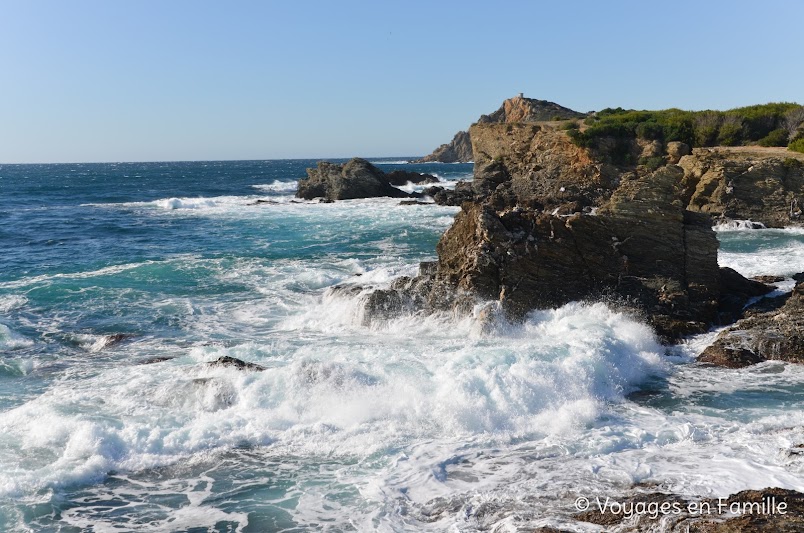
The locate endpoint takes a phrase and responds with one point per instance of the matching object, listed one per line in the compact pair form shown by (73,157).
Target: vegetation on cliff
(771,124)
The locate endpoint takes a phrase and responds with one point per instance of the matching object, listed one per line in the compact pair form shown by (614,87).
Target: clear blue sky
(190,80)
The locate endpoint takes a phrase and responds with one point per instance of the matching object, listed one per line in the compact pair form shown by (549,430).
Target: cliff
(513,110)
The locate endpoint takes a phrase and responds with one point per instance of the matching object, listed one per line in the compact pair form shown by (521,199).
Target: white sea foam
(387,388)
(11,340)
(738,225)
(278,186)
(780,261)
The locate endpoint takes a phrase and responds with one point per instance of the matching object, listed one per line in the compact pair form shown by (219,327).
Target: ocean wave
(11,340)
(543,378)
(738,225)
(278,186)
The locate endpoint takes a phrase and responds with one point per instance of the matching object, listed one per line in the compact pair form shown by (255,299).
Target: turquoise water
(119,281)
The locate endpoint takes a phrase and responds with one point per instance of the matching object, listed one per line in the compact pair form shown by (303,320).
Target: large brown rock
(641,248)
(356,179)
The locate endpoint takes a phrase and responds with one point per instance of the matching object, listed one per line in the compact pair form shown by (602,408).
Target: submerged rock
(356,179)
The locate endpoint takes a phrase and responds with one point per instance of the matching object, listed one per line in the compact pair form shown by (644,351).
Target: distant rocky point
(516,109)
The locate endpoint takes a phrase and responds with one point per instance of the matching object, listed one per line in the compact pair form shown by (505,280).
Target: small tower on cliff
(522,95)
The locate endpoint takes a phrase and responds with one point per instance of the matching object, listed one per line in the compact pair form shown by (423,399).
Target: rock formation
(513,110)
(356,179)
(774,331)
(736,185)
(546,222)
(458,150)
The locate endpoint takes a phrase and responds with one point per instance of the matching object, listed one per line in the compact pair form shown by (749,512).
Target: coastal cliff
(513,110)
(548,220)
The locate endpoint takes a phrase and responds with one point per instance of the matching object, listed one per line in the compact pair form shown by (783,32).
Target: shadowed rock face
(641,248)
(458,150)
(356,179)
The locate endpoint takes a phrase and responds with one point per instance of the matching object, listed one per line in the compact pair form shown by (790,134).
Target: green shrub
(650,131)
(652,163)
(797,145)
(777,137)
(570,125)
(730,132)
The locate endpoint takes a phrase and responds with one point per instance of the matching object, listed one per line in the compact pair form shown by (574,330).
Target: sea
(120,282)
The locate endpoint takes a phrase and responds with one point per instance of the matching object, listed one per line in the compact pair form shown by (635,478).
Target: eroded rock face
(458,150)
(777,334)
(356,179)
(727,185)
(546,222)
(641,248)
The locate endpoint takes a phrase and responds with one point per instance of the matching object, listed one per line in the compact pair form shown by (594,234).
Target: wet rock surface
(776,334)
(355,179)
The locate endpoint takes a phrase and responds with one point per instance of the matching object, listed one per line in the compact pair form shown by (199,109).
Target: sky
(167,80)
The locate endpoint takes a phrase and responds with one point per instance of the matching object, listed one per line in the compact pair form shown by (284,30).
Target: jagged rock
(356,179)
(642,247)
(458,150)
(233,362)
(737,186)
(463,192)
(403,177)
(777,334)
(521,109)
(538,167)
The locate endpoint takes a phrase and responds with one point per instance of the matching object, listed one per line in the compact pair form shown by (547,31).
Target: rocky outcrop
(520,109)
(738,185)
(776,334)
(458,150)
(513,110)
(546,222)
(642,249)
(538,167)
(233,362)
(356,179)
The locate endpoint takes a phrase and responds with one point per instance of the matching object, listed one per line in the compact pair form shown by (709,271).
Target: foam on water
(11,340)
(738,225)
(278,186)
(542,378)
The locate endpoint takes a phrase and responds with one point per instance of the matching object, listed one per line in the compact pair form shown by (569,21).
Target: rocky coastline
(545,222)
